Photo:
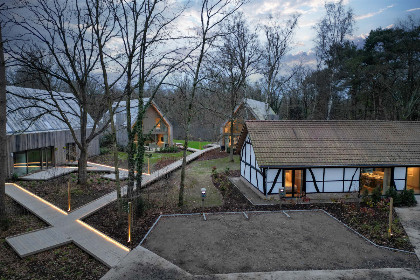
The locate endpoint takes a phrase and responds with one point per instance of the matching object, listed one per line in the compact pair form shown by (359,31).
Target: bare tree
(331,34)
(230,66)
(278,38)
(60,32)
(151,53)
(3,140)
(212,14)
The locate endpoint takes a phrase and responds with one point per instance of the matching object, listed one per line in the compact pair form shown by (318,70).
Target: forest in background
(379,80)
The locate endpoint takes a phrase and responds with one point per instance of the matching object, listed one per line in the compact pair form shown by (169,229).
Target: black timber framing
(252,166)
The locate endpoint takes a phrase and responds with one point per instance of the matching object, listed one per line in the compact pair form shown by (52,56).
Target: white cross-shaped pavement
(64,228)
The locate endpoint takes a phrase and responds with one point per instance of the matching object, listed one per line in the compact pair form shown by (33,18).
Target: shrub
(169,149)
(15,177)
(365,196)
(407,198)
(392,192)
(104,150)
(404,198)
(376,194)
(105,140)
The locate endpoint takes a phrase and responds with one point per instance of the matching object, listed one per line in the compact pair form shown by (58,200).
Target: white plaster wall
(349,173)
(333,174)
(336,186)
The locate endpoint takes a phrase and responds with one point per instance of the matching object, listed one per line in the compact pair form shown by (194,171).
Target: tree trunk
(184,165)
(130,148)
(3,119)
(116,163)
(82,180)
(231,141)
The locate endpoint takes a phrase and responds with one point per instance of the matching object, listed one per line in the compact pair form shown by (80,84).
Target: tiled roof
(334,143)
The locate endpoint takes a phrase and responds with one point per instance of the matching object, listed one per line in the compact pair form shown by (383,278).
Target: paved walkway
(64,228)
(141,263)
(68,227)
(410,219)
(58,171)
(147,179)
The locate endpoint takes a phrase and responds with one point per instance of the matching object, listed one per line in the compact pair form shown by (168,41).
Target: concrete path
(65,228)
(410,219)
(141,263)
(68,227)
(249,191)
(148,179)
(58,171)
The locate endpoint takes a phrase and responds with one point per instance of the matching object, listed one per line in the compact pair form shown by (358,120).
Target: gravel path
(229,243)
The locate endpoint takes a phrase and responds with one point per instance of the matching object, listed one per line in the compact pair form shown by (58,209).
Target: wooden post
(148,165)
(129,221)
(69,196)
(391,204)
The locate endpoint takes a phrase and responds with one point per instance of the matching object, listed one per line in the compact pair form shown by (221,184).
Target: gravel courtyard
(228,243)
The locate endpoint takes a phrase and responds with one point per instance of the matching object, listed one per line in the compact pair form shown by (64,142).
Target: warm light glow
(37,197)
(103,235)
(103,165)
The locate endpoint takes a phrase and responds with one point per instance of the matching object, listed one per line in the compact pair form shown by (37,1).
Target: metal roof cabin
(155,124)
(37,137)
(248,109)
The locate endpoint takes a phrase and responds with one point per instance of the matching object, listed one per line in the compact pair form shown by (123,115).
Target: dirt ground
(266,242)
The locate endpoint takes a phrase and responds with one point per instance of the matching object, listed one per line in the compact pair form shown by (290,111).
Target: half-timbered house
(37,136)
(303,157)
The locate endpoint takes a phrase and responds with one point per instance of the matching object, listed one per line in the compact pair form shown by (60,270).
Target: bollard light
(203,193)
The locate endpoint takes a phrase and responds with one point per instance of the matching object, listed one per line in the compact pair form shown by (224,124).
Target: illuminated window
(413,179)
(158,123)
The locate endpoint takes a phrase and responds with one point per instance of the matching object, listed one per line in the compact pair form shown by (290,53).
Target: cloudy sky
(369,14)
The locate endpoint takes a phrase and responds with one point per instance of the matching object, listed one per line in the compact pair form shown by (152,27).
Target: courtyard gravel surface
(230,243)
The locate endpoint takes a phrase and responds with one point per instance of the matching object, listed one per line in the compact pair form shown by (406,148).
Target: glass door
(293,179)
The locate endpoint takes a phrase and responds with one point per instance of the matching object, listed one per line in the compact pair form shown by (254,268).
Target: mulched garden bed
(108,159)
(66,262)
(371,222)
(162,163)
(56,190)
(214,154)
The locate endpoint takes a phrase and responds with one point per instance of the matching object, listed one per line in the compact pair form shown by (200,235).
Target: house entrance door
(293,179)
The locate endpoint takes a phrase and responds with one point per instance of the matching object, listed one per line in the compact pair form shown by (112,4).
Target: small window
(157,123)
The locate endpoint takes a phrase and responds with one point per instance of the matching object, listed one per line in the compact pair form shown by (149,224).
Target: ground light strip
(113,167)
(39,198)
(103,235)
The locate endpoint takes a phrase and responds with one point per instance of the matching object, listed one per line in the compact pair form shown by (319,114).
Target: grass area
(194,144)
(156,158)
(198,175)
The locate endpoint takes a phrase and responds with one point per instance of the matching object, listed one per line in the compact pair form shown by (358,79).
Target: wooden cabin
(248,109)
(304,157)
(156,127)
(36,136)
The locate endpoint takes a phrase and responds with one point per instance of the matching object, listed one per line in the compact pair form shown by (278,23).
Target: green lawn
(155,157)
(194,144)
(198,175)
